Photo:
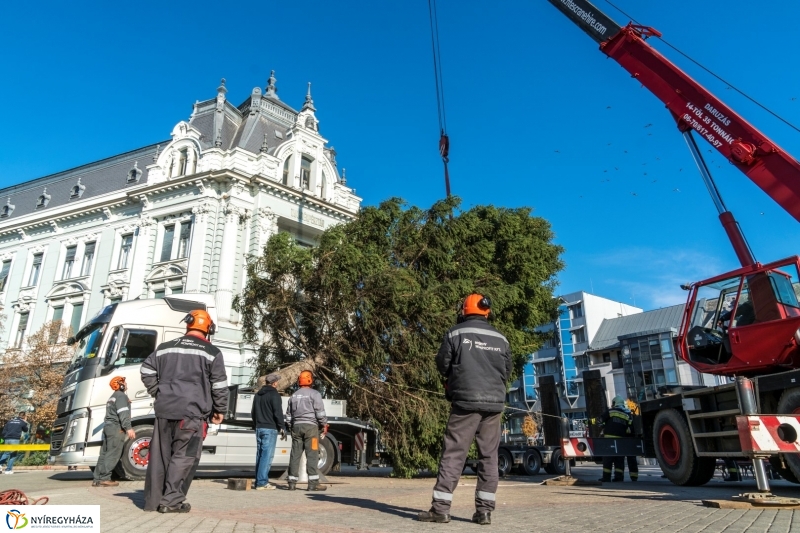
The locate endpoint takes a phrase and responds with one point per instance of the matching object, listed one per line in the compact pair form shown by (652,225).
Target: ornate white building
(181,216)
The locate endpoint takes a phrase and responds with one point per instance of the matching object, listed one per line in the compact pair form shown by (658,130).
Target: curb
(46,467)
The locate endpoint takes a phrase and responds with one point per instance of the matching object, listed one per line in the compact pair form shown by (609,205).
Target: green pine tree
(367,308)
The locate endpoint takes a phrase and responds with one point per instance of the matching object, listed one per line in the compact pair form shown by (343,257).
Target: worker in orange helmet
(305,417)
(187,378)
(116,427)
(475,361)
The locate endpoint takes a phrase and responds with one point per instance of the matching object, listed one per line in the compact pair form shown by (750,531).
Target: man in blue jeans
(12,434)
(267,414)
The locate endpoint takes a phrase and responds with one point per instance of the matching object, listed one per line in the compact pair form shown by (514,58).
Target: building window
(166,244)
(69,262)
(58,314)
(75,322)
(43,199)
(286,165)
(579,335)
(36,267)
(115,300)
(135,173)
(183,157)
(125,251)
(159,293)
(88,258)
(7,209)
(607,357)
(305,173)
(183,242)
(23,325)
(575,311)
(77,190)
(4,271)
(177,290)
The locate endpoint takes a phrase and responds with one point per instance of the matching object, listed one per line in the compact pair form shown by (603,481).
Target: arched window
(305,173)
(43,199)
(286,167)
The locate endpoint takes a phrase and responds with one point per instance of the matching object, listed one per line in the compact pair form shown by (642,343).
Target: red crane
(743,322)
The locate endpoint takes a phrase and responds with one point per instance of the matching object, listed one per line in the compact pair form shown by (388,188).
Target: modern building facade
(180,216)
(637,355)
(564,354)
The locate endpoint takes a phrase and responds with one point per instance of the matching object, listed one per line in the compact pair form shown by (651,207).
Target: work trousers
(462,427)
(174,454)
(633,467)
(304,437)
(615,464)
(113,444)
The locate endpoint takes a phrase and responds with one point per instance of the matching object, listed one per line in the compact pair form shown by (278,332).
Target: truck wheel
(504,462)
(675,451)
(785,473)
(556,466)
(135,455)
(327,456)
(532,462)
(789,404)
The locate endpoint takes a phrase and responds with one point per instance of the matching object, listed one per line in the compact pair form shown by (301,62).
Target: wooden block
(239,483)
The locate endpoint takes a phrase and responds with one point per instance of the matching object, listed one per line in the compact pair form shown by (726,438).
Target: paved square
(357,502)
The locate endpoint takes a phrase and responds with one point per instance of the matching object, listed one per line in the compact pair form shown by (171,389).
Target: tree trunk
(290,373)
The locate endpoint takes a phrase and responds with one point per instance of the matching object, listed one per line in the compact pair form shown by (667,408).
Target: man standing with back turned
(116,426)
(187,378)
(475,360)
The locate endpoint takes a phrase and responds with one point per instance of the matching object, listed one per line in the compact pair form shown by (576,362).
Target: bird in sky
(792,98)
(633,193)
(556,151)
(647,125)
(608,107)
(676,190)
(655,181)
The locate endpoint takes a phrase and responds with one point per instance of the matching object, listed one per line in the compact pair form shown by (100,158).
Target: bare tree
(31,377)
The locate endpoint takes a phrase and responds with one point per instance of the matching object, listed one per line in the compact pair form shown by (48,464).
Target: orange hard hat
(116,382)
(477,304)
(201,321)
(306,378)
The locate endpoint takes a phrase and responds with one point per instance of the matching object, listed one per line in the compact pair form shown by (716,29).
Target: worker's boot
(292,485)
(483,519)
(618,479)
(180,508)
(105,483)
(315,486)
(432,516)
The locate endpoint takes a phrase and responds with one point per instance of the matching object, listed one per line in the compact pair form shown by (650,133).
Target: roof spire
(272,89)
(309,104)
(264,145)
(222,89)
(344,176)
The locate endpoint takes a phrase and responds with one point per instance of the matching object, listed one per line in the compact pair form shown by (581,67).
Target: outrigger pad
(564,481)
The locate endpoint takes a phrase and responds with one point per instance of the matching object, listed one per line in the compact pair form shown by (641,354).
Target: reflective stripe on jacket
(118,411)
(187,378)
(306,407)
(475,359)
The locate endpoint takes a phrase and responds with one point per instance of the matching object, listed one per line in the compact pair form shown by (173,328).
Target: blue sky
(536,114)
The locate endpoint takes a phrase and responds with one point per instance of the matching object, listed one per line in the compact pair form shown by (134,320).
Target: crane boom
(693,107)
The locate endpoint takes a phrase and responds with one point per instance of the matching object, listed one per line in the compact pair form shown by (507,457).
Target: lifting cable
(759,104)
(444,140)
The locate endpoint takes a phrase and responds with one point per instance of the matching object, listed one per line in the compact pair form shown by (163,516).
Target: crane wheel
(675,451)
(789,404)
(777,466)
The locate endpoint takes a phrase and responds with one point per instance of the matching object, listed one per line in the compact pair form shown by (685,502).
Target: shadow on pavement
(137,498)
(75,475)
(361,503)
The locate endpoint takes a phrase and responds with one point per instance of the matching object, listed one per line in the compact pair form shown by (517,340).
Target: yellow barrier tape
(24,447)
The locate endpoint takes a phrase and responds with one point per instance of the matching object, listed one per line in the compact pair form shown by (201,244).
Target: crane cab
(744,322)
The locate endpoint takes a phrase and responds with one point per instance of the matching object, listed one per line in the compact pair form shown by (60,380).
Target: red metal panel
(761,434)
(694,107)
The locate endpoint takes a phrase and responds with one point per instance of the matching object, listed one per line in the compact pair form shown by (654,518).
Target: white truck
(115,343)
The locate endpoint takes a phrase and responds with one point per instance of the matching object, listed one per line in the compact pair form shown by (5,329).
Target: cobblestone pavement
(373,502)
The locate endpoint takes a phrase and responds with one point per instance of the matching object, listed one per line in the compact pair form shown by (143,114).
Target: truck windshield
(88,346)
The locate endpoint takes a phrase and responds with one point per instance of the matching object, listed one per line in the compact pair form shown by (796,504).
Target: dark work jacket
(118,412)
(617,423)
(187,378)
(475,359)
(267,411)
(14,428)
